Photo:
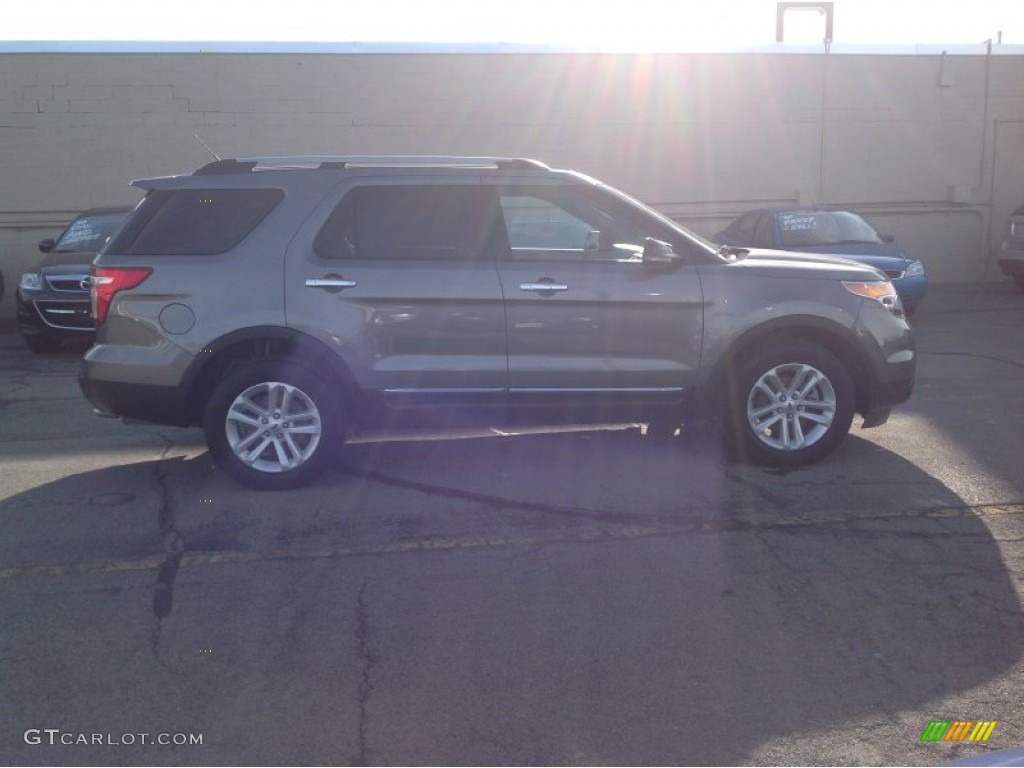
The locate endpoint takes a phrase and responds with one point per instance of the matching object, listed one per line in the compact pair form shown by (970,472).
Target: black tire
(310,402)
(802,398)
(42,344)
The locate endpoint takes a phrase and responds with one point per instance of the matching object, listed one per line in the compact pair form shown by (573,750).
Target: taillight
(106,281)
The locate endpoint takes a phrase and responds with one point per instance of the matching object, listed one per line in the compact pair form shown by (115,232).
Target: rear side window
(405,222)
(193,222)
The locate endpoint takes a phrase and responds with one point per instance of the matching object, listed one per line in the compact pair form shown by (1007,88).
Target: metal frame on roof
(338,162)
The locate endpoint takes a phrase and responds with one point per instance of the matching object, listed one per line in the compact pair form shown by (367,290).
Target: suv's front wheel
(272,424)
(792,404)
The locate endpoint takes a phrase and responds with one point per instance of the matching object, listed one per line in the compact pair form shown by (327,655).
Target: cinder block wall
(929,147)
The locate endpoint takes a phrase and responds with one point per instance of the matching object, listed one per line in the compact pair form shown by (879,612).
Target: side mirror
(598,241)
(888,238)
(659,253)
(46,245)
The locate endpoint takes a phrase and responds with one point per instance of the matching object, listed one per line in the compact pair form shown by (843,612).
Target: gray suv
(282,303)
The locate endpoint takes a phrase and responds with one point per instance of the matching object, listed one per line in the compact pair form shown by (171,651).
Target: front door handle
(543,286)
(332,283)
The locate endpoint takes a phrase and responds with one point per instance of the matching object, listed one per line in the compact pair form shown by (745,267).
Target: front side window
(404,222)
(569,223)
(191,222)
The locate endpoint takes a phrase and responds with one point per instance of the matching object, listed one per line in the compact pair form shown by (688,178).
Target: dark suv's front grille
(72,315)
(69,283)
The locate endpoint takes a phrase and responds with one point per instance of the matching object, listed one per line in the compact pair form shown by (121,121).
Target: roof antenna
(206,146)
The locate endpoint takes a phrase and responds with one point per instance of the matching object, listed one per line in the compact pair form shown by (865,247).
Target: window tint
(741,231)
(404,222)
(763,237)
(536,223)
(89,233)
(569,223)
(192,222)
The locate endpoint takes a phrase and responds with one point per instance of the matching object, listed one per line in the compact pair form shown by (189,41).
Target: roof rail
(337,162)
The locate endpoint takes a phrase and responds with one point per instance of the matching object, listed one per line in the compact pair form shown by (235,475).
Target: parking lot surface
(579,597)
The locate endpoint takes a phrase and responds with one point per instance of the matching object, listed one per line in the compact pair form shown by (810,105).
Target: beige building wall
(929,147)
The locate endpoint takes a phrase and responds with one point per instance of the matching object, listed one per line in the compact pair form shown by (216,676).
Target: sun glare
(639,25)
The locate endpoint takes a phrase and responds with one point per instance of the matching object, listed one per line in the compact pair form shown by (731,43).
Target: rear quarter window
(432,221)
(193,222)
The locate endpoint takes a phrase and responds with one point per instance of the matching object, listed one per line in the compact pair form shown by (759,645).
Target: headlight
(881,291)
(30,281)
(914,270)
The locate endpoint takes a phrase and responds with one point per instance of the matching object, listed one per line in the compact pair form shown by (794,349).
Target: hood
(880,255)
(827,265)
(53,260)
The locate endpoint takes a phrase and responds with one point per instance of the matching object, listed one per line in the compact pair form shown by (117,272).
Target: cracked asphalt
(576,598)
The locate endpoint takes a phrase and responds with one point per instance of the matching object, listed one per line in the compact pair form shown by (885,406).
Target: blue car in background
(841,233)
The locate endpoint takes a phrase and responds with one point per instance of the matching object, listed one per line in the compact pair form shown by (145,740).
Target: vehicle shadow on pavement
(581,598)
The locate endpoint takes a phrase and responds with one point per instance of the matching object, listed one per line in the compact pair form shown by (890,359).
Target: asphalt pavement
(571,598)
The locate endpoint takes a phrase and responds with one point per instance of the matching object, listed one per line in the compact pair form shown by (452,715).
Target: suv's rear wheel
(272,425)
(792,404)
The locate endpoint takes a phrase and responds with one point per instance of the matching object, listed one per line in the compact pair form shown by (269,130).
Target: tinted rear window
(404,222)
(193,222)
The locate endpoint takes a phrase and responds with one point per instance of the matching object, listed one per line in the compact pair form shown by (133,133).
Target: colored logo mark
(958,730)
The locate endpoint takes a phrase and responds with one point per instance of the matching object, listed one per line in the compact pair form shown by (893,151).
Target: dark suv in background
(282,303)
(52,301)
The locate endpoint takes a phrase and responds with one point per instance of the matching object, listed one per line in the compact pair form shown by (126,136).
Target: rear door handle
(542,286)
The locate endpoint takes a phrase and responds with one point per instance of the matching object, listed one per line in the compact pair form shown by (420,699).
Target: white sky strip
(641,25)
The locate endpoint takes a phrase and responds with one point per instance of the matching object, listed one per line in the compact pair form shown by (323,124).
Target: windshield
(88,234)
(811,228)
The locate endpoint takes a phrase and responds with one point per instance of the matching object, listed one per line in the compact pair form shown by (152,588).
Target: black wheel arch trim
(217,357)
(838,339)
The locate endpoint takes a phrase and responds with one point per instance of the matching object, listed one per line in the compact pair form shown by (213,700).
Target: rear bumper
(148,403)
(136,382)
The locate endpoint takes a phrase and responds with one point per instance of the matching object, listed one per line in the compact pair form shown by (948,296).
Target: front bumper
(41,314)
(891,363)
